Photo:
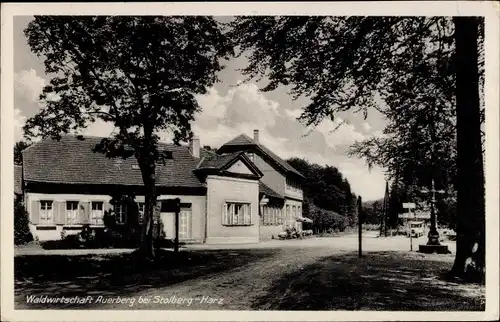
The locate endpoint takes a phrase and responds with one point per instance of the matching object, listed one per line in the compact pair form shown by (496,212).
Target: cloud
(366,126)
(28,84)
(243,108)
(338,133)
(19,120)
(293,113)
(99,128)
(369,184)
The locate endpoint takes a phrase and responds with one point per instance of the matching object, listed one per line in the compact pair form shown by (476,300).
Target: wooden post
(177,211)
(360,225)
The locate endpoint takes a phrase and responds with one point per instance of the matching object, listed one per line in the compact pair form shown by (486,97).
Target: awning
(303,219)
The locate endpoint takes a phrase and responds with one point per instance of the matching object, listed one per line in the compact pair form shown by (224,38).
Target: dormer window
(251,156)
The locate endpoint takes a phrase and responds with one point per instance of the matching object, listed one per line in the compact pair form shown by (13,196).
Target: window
(97,213)
(279,217)
(46,214)
(299,211)
(287,212)
(236,214)
(251,156)
(71,212)
(267,215)
(120,213)
(140,215)
(294,212)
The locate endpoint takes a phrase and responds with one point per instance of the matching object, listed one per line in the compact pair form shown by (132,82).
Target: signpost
(173,205)
(409,215)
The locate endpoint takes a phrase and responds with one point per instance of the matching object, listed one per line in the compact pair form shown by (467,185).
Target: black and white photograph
(270,163)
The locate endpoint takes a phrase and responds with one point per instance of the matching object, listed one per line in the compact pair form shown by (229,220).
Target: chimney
(256,136)
(194,146)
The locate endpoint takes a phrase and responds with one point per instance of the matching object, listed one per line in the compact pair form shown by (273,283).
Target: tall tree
(471,237)
(340,63)
(139,74)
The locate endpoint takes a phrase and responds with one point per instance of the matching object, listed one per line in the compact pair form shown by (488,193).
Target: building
(240,193)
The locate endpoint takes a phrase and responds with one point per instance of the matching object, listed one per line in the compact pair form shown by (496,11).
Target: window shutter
(224,214)
(59,212)
(248,215)
(35,212)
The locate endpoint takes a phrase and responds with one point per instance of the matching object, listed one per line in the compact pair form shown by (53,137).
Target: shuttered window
(72,212)
(279,217)
(46,212)
(97,213)
(236,214)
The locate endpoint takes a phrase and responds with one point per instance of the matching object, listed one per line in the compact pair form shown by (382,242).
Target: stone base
(430,249)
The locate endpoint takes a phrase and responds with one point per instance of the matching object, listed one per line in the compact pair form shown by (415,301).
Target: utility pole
(360,225)
(385,206)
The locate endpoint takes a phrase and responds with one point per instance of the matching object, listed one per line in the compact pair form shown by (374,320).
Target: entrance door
(185,223)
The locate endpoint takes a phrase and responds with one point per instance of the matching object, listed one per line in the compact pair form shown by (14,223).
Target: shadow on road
(377,281)
(116,275)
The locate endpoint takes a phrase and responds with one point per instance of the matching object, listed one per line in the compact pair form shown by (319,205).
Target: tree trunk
(470,256)
(146,247)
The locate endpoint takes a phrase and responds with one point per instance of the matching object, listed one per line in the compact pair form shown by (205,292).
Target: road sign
(406,215)
(422,214)
(408,205)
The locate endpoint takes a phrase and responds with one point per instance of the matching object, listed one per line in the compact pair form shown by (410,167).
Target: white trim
(214,177)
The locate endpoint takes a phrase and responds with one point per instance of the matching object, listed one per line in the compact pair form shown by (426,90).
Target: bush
(22,233)
(67,242)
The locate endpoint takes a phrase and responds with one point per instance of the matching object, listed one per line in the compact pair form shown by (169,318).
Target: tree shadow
(118,274)
(378,281)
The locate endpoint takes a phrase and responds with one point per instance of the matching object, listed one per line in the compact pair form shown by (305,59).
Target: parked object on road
(307,232)
(290,233)
(416,229)
(447,234)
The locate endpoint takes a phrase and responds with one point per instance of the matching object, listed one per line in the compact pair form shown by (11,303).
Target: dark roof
(266,190)
(218,162)
(71,160)
(241,139)
(18,179)
(244,140)
(214,161)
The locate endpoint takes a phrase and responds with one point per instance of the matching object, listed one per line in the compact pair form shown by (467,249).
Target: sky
(230,108)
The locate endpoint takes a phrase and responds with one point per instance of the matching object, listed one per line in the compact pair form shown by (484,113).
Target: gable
(239,167)
(244,143)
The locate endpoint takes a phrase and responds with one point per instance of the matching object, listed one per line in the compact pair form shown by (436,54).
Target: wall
(239,167)
(53,231)
(272,177)
(221,189)
(291,203)
(270,232)
(269,228)
(293,193)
